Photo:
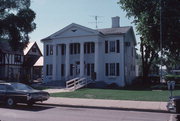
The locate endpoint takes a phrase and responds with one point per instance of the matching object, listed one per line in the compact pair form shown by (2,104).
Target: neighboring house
(10,62)
(78,51)
(31,55)
(18,65)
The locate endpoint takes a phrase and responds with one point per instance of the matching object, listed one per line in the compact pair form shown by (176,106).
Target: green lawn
(156,95)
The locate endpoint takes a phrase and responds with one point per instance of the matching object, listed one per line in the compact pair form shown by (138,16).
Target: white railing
(77,83)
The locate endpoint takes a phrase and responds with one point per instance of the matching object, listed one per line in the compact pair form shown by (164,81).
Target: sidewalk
(102,103)
(108,104)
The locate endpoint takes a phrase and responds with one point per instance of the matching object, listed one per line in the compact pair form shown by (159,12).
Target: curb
(107,108)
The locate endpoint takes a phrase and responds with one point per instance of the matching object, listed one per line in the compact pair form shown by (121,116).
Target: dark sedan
(12,93)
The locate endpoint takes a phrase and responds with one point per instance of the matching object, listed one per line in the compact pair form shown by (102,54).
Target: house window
(92,47)
(112,46)
(92,68)
(112,69)
(49,68)
(51,49)
(74,48)
(89,47)
(17,58)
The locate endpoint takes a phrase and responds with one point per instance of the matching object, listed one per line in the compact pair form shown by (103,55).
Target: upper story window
(112,46)
(74,48)
(51,50)
(89,47)
(17,58)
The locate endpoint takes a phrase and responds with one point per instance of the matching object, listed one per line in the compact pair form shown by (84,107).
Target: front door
(76,71)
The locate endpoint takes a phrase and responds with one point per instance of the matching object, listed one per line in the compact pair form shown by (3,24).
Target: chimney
(115,22)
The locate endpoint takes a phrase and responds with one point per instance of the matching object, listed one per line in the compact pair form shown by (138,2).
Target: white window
(112,46)
(49,68)
(112,69)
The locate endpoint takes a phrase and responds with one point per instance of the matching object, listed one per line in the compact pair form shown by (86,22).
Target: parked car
(174,104)
(13,93)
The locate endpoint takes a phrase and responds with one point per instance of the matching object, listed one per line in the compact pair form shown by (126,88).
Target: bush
(112,86)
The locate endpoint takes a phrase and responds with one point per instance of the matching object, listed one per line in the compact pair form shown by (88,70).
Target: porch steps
(77,83)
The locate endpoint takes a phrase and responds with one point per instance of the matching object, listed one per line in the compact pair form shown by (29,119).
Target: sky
(53,15)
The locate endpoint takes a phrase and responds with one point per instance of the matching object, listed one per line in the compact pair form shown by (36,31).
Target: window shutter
(88,69)
(117,69)
(62,49)
(107,70)
(47,50)
(47,69)
(71,69)
(117,46)
(62,69)
(106,46)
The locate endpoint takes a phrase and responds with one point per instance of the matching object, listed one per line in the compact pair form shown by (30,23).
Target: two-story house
(78,51)
(10,62)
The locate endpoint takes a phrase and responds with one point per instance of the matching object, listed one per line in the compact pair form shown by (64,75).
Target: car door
(2,92)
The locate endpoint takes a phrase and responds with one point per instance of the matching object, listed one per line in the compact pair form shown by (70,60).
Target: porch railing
(77,83)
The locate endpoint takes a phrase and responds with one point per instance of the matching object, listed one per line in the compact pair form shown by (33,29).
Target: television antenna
(96,21)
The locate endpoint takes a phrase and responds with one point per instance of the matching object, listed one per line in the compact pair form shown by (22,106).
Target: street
(50,113)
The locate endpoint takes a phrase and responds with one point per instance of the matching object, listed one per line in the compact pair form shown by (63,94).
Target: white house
(78,51)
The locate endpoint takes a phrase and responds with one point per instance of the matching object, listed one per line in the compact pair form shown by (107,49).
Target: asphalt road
(48,113)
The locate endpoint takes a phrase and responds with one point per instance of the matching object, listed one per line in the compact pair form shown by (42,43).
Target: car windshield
(19,86)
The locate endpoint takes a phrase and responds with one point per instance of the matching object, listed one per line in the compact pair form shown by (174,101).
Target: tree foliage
(146,14)
(16,22)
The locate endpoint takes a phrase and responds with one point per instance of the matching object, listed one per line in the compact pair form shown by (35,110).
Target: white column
(59,62)
(67,61)
(96,60)
(54,63)
(81,59)
(122,65)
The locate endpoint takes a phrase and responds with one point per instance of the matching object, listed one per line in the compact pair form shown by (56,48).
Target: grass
(154,95)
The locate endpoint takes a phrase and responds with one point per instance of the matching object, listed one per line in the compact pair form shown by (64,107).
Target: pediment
(74,30)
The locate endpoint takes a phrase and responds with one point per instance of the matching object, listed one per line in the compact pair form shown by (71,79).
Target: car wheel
(10,102)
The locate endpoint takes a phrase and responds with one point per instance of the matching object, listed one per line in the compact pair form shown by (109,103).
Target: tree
(146,14)
(16,22)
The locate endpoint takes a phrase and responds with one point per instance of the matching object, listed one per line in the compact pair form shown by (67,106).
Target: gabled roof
(29,46)
(68,27)
(112,31)
(39,62)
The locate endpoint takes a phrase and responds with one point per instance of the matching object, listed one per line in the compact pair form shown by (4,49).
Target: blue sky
(53,15)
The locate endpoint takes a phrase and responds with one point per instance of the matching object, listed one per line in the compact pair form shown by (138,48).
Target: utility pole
(161,50)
